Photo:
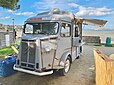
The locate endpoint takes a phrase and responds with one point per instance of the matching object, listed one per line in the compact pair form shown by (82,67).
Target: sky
(97,9)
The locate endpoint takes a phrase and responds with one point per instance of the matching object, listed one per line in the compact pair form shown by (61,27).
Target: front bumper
(33,72)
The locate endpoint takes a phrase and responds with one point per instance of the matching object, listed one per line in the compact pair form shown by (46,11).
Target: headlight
(31,46)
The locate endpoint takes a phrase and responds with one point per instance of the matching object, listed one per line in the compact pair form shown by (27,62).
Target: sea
(102,33)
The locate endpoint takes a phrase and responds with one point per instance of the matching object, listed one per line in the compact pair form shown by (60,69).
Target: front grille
(23,64)
(27,66)
(24,51)
(32,49)
(28,40)
(28,49)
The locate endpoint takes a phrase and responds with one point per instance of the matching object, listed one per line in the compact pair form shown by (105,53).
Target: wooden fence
(104,68)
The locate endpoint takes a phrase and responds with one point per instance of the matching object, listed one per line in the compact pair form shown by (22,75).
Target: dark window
(76,31)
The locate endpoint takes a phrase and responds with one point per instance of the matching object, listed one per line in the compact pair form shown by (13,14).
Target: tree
(10,4)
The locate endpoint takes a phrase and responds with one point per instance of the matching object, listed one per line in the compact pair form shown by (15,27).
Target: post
(13,31)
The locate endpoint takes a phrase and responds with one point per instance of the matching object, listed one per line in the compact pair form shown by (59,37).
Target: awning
(95,22)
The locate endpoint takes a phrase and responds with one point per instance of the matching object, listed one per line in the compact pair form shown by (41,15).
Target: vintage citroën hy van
(51,41)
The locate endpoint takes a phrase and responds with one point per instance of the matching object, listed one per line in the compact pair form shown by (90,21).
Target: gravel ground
(81,72)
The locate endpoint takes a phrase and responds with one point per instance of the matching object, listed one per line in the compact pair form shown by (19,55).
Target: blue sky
(100,9)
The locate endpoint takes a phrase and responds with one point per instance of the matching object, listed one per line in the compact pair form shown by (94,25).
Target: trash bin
(6,66)
(108,42)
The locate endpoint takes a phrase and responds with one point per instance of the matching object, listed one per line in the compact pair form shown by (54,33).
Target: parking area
(81,72)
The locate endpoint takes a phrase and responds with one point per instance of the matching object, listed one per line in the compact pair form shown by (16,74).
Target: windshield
(49,28)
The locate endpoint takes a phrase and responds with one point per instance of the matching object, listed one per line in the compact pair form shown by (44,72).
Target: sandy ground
(79,74)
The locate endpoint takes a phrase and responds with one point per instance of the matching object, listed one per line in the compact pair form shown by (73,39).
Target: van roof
(54,14)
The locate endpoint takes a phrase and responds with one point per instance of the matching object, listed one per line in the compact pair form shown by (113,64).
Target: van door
(76,43)
(64,40)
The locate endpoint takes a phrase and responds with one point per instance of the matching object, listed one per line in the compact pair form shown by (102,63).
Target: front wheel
(66,68)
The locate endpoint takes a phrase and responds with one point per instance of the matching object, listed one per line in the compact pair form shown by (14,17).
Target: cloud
(71,5)
(45,5)
(21,13)
(24,13)
(5,18)
(92,11)
(10,11)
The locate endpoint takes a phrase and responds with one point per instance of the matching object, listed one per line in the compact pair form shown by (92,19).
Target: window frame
(38,23)
(69,31)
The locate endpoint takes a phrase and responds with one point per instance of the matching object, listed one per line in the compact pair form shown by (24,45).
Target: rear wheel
(78,57)
(66,68)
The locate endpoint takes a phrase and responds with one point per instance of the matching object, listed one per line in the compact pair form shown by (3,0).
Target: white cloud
(10,11)
(24,13)
(45,5)
(92,11)
(21,13)
(5,18)
(73,5)
(70,5)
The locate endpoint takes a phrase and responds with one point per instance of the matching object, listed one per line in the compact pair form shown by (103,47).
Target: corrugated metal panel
(32,49)
(28,50)
(24,51)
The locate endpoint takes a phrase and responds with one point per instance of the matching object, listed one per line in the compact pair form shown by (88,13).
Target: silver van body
(41,53)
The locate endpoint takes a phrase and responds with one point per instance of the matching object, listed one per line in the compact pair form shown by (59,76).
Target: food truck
(51,41)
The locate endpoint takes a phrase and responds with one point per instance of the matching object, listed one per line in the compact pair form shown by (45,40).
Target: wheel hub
(67,66)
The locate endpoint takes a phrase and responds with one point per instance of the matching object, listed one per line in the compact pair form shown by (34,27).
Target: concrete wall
(19,33)
(3,39)
(91,39)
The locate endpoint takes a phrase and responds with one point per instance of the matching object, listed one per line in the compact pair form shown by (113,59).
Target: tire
(78,57)
(66,68)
